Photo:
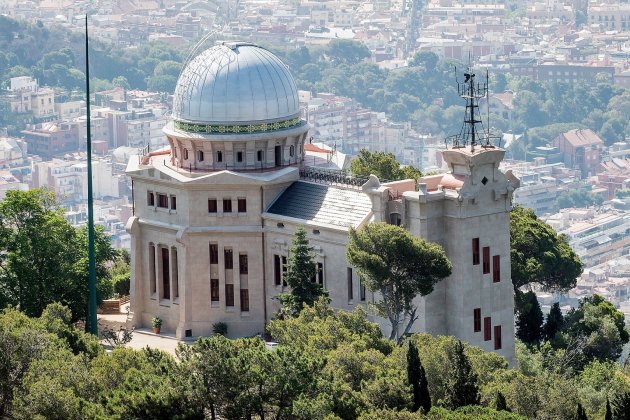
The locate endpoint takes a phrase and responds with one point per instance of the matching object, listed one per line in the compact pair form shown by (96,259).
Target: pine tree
(300,276)
(554,322)
(621,406)
(462,382)
(608,411)
(418,380)
(529,319)
(500,403)
(581,414)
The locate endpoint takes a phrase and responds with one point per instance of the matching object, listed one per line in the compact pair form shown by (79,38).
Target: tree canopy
(44,258)
(400,267)
(539,255)
(383,165)
(300,276)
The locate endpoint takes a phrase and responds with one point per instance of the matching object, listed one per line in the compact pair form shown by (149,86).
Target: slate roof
(322,204)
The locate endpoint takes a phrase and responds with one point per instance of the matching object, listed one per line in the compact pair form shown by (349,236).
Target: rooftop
(323,204)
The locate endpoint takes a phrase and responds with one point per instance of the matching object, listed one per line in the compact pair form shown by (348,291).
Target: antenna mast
(472,132)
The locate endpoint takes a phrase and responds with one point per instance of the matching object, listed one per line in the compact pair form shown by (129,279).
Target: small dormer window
(219,156)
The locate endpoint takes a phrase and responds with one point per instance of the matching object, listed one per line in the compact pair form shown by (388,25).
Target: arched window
(200,155)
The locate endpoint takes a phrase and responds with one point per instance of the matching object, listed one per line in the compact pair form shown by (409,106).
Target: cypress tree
(581,414)
(621,406)
(608,411)
(500,403)
(418,380)
(300,276)
(462,386)
(554,322)
(529,319)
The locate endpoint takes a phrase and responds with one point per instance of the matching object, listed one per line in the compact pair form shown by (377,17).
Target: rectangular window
(214,290)
(229,261)
(496,268)
(244,300)
(173,202)
(284,270)
(361,290)
(152,268)
(242,205)
(487,332)
(227,205)
(212,205)
(486,260)
(162,201)
(239,156)
(214,254)
(166,282)
(277,273)
(497,337)
(320,273)
(477,320)
(259,156)
(229,295)
(349,279)
(242,263)
(150,198)
(475,251)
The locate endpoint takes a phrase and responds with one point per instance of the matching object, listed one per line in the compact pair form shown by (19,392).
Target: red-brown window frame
(486,260)
(487,328)
(497,337)
(242,205)
(475,251)
(477,319)
(496,268)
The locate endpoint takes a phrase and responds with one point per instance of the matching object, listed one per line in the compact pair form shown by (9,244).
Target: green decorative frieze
(237,128)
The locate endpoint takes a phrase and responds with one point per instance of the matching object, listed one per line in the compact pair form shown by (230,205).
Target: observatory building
(215,213)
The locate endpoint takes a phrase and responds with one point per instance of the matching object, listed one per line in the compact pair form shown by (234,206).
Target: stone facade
(210,232)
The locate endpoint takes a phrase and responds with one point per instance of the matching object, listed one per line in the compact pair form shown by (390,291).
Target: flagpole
(91,321)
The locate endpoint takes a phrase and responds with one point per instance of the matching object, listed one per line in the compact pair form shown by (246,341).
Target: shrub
(220,328)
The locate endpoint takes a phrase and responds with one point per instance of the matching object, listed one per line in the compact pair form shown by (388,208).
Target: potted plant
(156,322)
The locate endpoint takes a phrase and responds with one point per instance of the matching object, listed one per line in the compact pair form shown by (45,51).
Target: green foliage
(300,277)
(621,406)
(539,255)
(122,284)
(45,258)
(383,165)
(156,322)
(578,198)
(600,327)
(461,381)
(220,328)
(580,413)
(347,51)
(529,318)
(399,266)
(553,323)
(417,379)
(500,403)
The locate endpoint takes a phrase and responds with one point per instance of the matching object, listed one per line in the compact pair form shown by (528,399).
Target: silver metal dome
(235,83)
